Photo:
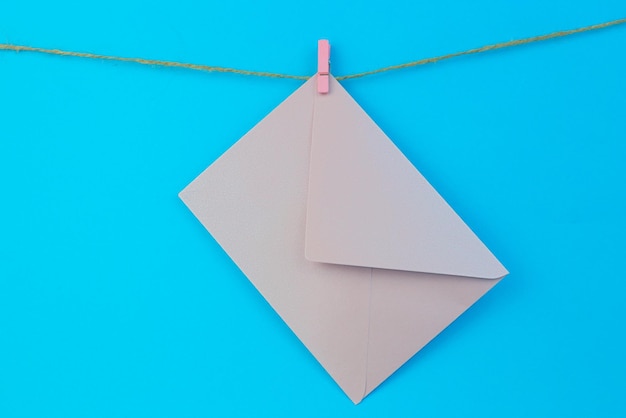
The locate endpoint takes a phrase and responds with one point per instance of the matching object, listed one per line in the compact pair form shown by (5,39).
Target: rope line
(210,68)
(486,48)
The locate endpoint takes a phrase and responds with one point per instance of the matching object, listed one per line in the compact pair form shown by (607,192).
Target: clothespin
(323,66)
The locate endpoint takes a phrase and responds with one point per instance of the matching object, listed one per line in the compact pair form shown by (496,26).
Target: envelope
(346,240)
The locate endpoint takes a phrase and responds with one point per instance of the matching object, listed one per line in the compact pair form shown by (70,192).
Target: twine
(210,68)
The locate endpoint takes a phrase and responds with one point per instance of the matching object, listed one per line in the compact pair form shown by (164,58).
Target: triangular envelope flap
(369,206)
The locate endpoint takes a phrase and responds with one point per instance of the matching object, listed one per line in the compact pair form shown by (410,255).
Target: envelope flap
(369,206)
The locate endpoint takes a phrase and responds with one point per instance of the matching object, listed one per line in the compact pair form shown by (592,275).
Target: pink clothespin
(323,66)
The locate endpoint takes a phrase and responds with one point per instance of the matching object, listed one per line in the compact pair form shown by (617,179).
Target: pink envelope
(346,240)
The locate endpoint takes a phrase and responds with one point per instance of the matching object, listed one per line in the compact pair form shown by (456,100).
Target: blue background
(115,302)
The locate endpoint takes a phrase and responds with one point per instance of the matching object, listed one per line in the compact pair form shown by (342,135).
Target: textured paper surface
(361,323)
